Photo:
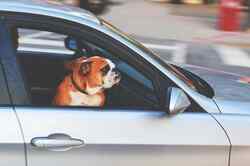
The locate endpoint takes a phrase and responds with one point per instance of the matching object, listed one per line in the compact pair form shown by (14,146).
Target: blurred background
(207,33)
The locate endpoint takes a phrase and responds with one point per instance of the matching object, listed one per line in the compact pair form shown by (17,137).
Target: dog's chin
(108,85)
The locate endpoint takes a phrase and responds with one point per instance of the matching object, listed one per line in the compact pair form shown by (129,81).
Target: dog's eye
(105,70)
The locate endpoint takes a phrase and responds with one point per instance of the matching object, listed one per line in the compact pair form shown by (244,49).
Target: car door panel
(237,129)
(126,138)
(12,150)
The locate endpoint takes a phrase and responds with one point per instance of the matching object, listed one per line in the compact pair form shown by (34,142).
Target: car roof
(41,7)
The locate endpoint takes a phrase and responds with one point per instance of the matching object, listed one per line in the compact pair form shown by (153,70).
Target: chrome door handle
(57,142)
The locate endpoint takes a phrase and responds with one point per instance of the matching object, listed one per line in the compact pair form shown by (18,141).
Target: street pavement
(175,22)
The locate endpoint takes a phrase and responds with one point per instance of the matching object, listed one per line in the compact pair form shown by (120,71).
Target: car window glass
(137,76)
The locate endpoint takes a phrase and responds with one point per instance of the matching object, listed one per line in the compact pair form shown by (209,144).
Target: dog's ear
(85,67)
(70,65)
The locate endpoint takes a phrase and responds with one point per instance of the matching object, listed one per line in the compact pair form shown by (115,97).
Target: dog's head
(98,72)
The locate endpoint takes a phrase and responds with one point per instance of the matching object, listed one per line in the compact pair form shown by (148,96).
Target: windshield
(193,81)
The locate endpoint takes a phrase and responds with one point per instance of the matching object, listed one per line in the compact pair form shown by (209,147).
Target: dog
(87,82)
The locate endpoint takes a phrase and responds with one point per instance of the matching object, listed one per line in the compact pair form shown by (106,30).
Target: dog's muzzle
(117,77)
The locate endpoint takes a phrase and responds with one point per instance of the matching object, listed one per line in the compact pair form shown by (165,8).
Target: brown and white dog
(86,84)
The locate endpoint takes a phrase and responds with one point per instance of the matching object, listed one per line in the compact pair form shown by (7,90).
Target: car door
(12,149)
(116,136)
(121,138)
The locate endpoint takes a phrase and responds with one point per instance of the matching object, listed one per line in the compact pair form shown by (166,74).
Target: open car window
(44,72)
(37,41)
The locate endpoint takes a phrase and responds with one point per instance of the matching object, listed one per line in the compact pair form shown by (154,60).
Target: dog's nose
(118,75)
(116,71)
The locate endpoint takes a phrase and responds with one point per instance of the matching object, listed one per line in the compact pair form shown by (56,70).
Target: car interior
(44,71)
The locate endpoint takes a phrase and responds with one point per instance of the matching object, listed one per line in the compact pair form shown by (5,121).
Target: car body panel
(126,138)
(237,127)
(12,150)
(233,107)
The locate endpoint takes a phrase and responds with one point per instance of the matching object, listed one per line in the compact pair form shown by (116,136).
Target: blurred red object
(229,15)
(245,80)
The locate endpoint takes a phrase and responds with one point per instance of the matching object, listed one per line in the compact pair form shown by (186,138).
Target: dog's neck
(77,85)
(82,85)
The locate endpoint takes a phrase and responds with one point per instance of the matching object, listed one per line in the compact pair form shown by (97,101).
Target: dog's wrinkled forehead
(111,64)
(98,63)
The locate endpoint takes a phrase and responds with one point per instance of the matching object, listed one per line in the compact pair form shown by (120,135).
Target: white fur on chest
(81,99)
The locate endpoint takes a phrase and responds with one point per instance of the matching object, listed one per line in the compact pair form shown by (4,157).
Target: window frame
(43,23)
(5,98)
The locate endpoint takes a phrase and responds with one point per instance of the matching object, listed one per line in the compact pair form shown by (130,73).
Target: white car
(160,114)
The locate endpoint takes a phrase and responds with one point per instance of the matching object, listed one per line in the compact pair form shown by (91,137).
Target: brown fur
(92,78)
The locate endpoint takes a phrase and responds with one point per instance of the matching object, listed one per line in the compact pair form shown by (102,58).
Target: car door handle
(57,142)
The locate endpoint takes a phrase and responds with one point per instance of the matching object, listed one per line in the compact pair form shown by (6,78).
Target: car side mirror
(177,101)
